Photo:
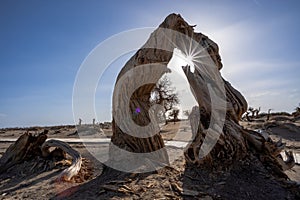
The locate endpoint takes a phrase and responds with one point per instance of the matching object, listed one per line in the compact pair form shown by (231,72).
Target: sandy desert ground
(31,181)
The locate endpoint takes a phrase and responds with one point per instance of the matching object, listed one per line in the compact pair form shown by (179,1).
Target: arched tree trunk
(218,137)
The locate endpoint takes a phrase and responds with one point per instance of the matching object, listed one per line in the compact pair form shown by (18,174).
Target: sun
(190,62)
(180,59)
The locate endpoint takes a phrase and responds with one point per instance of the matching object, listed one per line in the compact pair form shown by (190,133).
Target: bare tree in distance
(252,111)
(297,111)
(256,111)
(187,113)
(174,114)
(165,95)
(247,116)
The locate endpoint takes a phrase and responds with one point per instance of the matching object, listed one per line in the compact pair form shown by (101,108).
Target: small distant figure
(80,121)
(268,115)
(94,122)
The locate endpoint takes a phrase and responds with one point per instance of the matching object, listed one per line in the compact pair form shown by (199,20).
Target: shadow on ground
(247,180)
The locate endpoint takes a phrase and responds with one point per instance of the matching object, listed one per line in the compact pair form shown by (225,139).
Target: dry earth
(244,181)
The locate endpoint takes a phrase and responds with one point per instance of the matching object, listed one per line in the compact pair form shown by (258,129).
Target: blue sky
(43,43)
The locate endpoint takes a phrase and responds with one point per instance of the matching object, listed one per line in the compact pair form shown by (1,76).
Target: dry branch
(71,171)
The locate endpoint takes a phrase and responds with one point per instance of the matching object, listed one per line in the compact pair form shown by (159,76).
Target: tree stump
(28,147)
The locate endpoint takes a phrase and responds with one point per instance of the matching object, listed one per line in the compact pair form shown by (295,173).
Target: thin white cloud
(263,94)
(279,99)
(240,69)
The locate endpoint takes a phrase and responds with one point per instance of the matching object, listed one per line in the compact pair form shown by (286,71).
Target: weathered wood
(27,146)
(71,171)
(233,143)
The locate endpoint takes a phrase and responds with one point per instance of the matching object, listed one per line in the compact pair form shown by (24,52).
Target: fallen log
(28,147)
(71,171)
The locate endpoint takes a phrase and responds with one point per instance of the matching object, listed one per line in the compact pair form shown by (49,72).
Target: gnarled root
(270,148)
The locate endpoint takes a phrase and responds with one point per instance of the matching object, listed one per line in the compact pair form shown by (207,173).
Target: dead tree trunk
(133,127)
(232,141)
(28,147)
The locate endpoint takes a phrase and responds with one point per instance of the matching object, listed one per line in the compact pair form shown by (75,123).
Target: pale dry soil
(246,180)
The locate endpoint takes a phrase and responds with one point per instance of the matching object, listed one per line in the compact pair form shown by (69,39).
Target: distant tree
(174,115)
(187,113)
(247,117)
(297,111)
(251,109)
(164,94)
(161,117)
(256,111)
